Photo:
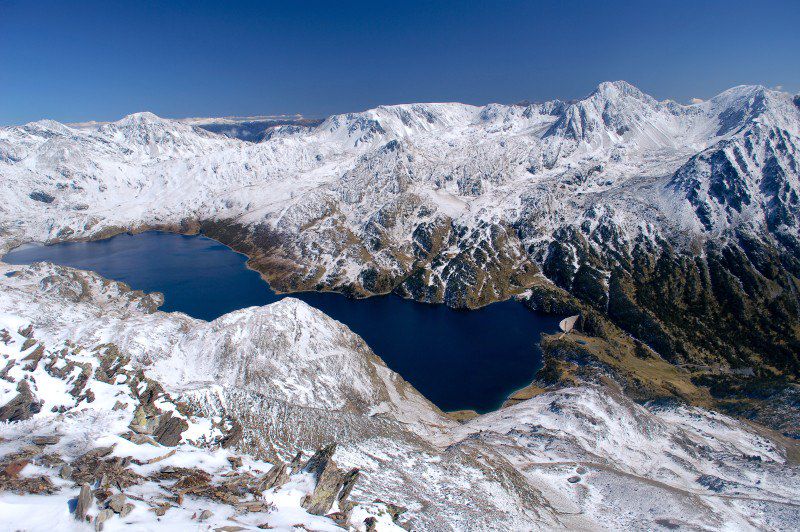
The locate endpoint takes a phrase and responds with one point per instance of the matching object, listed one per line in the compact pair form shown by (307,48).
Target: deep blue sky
(74,61)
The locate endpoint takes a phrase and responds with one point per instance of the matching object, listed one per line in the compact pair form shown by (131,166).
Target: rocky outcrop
(332,485)
(23,406)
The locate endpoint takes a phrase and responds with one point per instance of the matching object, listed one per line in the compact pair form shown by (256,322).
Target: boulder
(46,440)
(275,477)
(169,430)
(117,503)
(102,517)
(21,407)
(233,436)
(83,503)
(332,484)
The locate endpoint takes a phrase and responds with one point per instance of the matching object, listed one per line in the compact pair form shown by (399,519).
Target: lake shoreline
(415,313)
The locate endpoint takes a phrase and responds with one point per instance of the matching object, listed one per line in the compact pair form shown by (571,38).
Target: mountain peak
(619,88)
(48,125)
(144,117)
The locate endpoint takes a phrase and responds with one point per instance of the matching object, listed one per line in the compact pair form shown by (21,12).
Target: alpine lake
(459,359)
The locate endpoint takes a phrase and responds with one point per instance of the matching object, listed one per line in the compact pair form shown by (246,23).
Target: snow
(297,379)
(503,470)
(503,164)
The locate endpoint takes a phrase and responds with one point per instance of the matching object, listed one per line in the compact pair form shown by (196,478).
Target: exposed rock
(349,480)
(4,372)
(320,461)
(331,483)
(84,502)
(92,467)
(111,363)
(275,477)
(174,472)
(394,510)
(169,430)
(51,460)
(102,517)
(117,502)
(156,459)
(255,506)
(11,480)
(139,439)
(46,440)
(161,509)
(233,436)
(27,344)
(98,452)
(145,421)
(340,518)
(65,472)
(83,378)
(13,469)
(21,407)
(27,332)
(42,197)
(33,358)
(297,463)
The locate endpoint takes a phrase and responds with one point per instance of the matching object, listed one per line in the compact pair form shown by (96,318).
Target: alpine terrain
(673,230)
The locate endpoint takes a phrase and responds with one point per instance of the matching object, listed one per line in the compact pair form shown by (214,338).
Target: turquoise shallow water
(459,359)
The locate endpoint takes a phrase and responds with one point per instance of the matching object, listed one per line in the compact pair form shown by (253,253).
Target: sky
(100,60)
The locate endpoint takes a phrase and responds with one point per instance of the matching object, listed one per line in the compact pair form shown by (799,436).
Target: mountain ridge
(643,214)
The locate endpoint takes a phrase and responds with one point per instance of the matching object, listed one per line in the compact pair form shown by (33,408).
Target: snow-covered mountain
(171,421)
(441,202)
(673,229)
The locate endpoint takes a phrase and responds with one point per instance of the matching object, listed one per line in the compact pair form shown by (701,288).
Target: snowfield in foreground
(281,417)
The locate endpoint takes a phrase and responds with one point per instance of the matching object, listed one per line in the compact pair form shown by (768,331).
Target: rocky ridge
(105,420)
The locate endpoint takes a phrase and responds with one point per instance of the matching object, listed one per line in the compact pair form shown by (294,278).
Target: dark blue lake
(459,359)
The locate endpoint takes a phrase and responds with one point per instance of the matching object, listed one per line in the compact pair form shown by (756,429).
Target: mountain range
(672,229)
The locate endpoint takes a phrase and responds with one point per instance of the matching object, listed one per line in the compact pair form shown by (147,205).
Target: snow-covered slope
(95,365)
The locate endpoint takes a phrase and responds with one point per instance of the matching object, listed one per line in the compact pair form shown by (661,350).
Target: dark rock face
(21,407)
(729,176)
(233,436)
(43,197)
(169,430)
(320,461)
(332,484)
